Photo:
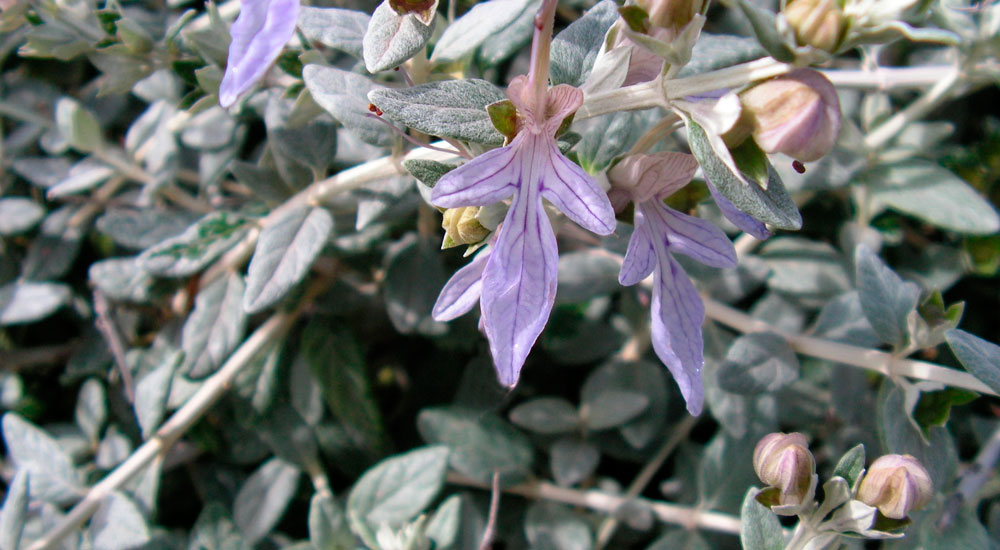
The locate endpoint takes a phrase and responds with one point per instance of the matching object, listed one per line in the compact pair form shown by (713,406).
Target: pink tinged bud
(896,485)
(817,23)
(797,114)
(783,461)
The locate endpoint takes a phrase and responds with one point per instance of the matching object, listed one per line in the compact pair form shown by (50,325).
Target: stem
(878,361)
(176,425)
(595,500)
(680,433)
(926,103)
(541,42)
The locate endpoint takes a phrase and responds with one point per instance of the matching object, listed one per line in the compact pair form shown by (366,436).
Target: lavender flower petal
(461,293)
(640,258)
(260,32)
(745,222)
(519,284)
(677,315)
(575,193)
(486,179)
(692,236)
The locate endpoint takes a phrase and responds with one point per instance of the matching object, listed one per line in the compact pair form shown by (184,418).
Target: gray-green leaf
(335,28)
(263,498)
(391,39)
(450,108)
(885,298)
(979,357)
(398,488)
(53,476)
(285,252)
(772,205)
(758,362)
(934,194)
(575,48)
(215,326)
(18,215)
(759,527)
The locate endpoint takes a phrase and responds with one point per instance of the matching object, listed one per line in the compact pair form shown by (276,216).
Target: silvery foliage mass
(220,239)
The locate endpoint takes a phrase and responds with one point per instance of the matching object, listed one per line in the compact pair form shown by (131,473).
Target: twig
(679,434)
(490,532)
(106,325)
(595,500)
(914,111)
(185,417)
(875,360)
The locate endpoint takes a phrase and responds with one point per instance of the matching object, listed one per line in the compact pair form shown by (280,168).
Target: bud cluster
(875,504)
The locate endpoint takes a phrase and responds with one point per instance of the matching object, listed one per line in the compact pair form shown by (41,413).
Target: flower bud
(784,461)
(670,14)
(896,485)
(797,114)
(817,23)
(461,226)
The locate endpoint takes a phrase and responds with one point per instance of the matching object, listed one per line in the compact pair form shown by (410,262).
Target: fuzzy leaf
(451,108)
(285,251)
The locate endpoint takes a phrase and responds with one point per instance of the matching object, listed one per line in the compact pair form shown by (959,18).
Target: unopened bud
(817,23)
(797,114)
(670,14)
(783,461)
(896,485)
(462,227)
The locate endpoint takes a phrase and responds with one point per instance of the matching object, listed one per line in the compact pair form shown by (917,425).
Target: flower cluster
(514,278)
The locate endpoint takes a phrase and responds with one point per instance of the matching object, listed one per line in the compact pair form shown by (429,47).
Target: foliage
(235,328)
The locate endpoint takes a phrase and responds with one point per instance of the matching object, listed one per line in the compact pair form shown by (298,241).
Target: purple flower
(518,283)
(259,34)
(676,309)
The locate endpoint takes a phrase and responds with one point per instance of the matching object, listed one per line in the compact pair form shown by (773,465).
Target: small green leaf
(77,125)
(934,408)
(851,464)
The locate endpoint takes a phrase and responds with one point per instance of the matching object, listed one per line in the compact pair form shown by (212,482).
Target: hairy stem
(875,360)
(666,512)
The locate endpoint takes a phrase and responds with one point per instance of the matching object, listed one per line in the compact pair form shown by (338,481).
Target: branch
(875,360)
(680,433)
(666,512)
(174,427)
